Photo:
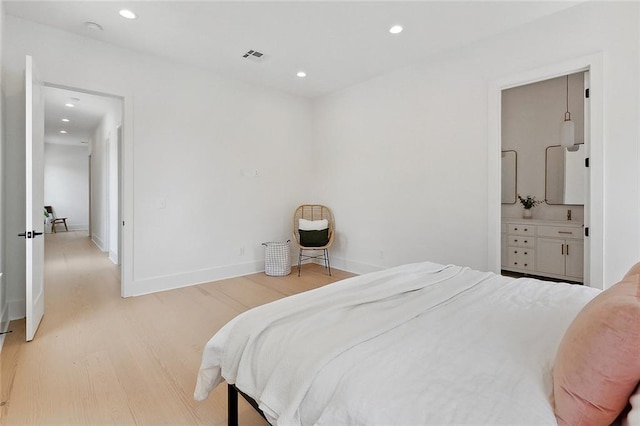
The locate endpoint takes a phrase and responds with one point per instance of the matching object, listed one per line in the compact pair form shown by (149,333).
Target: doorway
(82,162)
(544,182)
(593,211)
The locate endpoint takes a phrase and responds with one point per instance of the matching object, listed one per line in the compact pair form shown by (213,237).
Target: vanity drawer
(521,241)
(560,232)
(521,258)
(518,229)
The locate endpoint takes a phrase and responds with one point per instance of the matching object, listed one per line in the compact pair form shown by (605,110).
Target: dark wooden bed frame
(232,404)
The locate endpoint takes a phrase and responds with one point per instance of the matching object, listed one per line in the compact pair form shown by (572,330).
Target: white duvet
(413,345)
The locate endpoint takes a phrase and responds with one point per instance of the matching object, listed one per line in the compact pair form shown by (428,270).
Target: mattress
(417,344)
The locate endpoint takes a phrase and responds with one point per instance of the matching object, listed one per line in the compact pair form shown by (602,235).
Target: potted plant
(528,202)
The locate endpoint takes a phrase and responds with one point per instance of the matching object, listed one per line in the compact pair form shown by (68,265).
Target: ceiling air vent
(254,55)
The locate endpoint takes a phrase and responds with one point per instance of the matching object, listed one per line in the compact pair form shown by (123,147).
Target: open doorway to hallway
(81,163)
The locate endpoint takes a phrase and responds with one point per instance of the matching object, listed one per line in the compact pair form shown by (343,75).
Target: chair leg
(53,227)
(299,260)
(65,225)
(327,261)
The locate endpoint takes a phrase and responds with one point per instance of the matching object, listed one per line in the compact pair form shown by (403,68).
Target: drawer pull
(565,232)
(515,241)
(562,249)
(525,229)
(515,252)
(526,252)
(525,241)
(567,249)
(526,264)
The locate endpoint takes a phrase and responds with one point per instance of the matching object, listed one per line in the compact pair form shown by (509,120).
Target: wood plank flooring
(101,359)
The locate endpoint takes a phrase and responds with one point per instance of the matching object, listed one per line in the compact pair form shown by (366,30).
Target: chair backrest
(49,210)
(313,212)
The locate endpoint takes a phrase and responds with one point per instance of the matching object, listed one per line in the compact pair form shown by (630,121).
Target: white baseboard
(17,309)
(352,266)
(113,257)
(170,282)
(4,324)
(98,242)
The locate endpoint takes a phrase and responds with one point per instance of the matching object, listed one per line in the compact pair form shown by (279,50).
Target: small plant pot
(527,213)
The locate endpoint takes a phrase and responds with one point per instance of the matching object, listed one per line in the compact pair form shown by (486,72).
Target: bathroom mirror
(564,175)
(509,176)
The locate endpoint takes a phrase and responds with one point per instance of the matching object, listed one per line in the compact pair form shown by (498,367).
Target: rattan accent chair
(313,212)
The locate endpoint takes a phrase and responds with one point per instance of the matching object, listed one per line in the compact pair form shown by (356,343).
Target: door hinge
(586,162)
(587,93)
(586,231)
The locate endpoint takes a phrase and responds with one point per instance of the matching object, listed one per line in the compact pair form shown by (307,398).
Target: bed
(416,344)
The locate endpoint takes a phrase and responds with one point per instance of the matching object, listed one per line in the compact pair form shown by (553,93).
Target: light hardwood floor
(101,359)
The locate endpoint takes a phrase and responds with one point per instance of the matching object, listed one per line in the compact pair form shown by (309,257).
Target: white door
(34,238)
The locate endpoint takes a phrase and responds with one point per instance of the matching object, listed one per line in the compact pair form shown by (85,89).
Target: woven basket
(277,261)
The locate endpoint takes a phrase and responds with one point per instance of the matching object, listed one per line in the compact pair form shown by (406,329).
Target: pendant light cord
(567,113)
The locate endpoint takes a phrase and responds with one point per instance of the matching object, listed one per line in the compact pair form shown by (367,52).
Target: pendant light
(567,129)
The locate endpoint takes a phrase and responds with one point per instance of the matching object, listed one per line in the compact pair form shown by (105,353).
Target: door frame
(125,177)
(594,150)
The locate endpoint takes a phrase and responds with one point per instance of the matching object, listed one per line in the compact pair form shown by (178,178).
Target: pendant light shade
(567,128)
(567,133)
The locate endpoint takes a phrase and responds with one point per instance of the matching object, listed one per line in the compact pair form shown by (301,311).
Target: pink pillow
(598,362)
(635,270)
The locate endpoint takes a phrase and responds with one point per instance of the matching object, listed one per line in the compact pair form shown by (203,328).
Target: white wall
(104,191)
(66,183)
(531,119)
(190,214)
(404,156)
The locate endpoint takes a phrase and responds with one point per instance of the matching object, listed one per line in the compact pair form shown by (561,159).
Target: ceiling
(84,117)
(337,43)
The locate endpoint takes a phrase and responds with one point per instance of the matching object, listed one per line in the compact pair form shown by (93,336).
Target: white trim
(98,242)
(17,309)
(127,166)
(594,63)
(352,266)
(4,320)
(126,200)
(202,276)
(594,276)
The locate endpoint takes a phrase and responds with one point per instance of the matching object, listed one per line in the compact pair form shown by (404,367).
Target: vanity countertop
(571,223)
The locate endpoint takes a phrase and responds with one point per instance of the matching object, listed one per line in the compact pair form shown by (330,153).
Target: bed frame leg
(232,405)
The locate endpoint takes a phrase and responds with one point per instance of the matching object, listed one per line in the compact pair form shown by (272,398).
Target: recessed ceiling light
(63,131)
(93,26)
(69,105)
(126,13)
(396,29)
(66,120)
(301,74)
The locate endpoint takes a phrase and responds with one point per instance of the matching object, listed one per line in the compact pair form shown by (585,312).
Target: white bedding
(417,344)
